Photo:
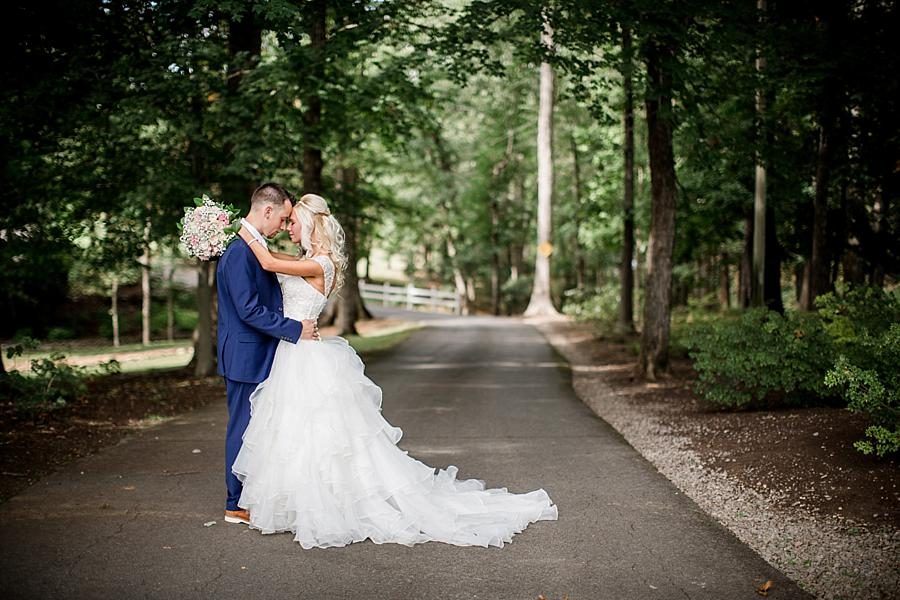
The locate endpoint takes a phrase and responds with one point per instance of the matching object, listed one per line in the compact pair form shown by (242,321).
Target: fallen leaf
(128,487)
(763,590)
(196,451)
(209,523)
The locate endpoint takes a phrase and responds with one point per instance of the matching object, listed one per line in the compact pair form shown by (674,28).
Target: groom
(251,321)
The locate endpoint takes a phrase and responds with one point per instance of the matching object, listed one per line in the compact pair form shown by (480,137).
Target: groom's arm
(241,285)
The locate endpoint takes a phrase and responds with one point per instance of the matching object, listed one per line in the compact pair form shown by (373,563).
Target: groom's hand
(310,330)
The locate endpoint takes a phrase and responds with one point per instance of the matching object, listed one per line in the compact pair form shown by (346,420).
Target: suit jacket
(251,316)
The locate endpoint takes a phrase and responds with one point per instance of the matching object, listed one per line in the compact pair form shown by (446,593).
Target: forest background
(716,179)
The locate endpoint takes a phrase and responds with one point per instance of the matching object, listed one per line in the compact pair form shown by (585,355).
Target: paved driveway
(488,395)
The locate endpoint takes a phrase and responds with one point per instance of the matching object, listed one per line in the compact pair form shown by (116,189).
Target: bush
(50,385)
(60,333)
(853,316)
(594,304)
(761,356)
(688,317)
(872,387)
(515,294)
(185,320)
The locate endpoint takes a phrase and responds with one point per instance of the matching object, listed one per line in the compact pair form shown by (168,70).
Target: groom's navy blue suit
(251,321)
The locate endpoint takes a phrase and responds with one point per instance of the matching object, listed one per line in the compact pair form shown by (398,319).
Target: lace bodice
(301,299)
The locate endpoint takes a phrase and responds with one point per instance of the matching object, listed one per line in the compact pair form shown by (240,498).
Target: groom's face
(275,218)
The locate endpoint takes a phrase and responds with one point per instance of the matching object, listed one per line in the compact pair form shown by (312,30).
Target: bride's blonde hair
(313,212)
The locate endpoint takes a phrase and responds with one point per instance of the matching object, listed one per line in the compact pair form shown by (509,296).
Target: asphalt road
(487,395)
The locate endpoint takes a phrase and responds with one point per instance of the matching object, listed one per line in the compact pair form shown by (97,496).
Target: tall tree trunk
(244,49)
(312,151)
(654,357)
(516,248)
(495,255)
(541,303)
(114,310)
(445,164)
(758,280)
(746,267)
(830,23)
(203,338)
(170,304)
(459,279)
(772,290)
(815,274)
(204,360)
(496,217)
(881,233)
(347,309)
(724,283)
(580,262)
(626,271)
(145,287)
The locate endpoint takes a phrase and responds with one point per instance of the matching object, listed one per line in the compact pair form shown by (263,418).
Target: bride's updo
(314,215)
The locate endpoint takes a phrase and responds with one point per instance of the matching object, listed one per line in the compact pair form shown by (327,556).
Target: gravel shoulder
(785,482)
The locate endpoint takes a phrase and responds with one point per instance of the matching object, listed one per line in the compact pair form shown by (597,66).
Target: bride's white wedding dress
(319,460)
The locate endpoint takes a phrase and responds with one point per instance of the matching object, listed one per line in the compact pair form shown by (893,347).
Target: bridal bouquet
(206,228)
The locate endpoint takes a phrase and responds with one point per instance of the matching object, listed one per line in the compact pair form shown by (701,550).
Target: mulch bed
(805,455)
(34,444)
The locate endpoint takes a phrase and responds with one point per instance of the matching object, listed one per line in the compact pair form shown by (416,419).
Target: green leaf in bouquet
(198,201)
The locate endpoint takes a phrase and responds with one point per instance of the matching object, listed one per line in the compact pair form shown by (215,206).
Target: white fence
(409,296)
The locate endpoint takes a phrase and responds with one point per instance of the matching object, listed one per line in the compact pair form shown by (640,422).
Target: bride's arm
(303,267)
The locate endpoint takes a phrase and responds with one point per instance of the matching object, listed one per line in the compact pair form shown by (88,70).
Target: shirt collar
(254,232)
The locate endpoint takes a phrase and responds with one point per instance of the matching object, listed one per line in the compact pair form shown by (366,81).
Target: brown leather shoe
(237,516)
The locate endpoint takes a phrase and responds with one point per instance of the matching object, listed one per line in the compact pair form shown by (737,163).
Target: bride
(319,460)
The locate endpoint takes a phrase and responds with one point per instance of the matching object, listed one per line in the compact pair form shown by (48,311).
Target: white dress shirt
(253,231)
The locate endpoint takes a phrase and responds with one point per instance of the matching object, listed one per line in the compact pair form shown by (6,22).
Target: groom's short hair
(270,193)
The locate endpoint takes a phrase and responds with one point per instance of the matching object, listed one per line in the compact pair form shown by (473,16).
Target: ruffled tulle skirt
(319,460)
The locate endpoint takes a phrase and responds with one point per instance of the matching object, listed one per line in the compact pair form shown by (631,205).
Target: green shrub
(60,333)
(515,293)
(593,304)
(110,367)
(761,356)
(686,318)
(853,315)
(872,387)
(50,385)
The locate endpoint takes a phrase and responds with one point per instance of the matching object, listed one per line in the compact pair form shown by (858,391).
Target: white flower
(203,227)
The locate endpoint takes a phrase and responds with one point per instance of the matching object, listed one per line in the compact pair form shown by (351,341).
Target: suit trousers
(238,393)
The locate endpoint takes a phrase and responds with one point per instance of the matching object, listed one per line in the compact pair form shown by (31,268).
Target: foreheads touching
(270,207)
